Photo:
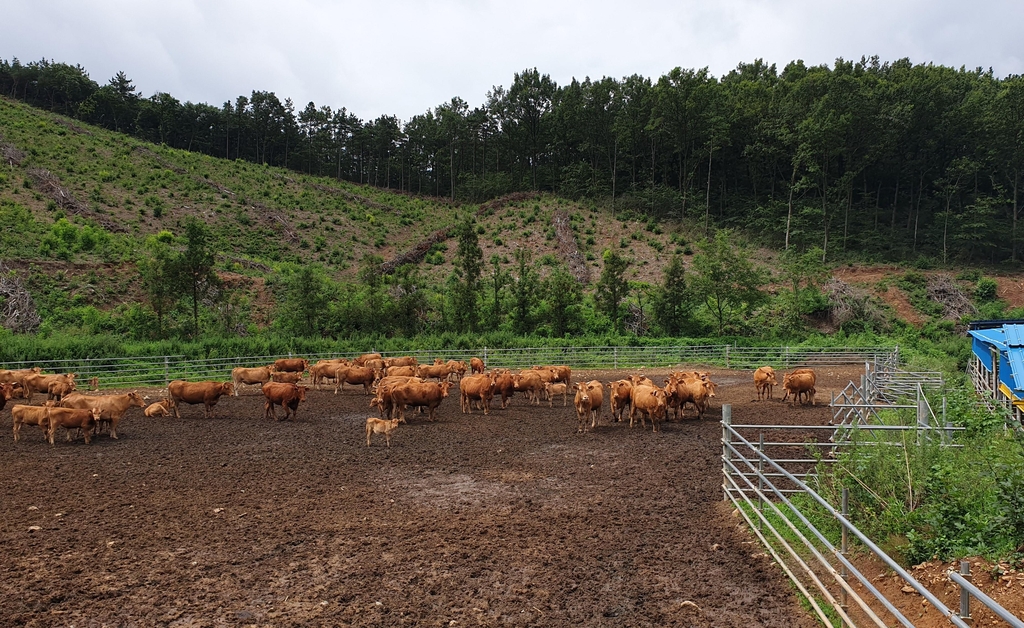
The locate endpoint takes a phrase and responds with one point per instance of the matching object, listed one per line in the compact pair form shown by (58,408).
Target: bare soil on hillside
(511,518)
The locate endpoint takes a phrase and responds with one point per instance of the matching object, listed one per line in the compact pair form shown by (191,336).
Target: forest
(865,160)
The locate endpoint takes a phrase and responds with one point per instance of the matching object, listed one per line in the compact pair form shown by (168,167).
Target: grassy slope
(261,216)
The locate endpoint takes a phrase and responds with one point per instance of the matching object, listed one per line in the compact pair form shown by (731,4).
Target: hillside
(78,202)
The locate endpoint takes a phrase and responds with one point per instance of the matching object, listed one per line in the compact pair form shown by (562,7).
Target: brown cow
(401,371)
(288,396)
(595,390)
(562,373)
(764,381)
(18,376)
(112,407)
(457,368)
(327,370)
(39,383)
(690,391)
(799,382)
(58,389)
(383,400)
(356,375)
(29,415)
(259,375)
(288,377)
(477,387)
(6,393)
(504,385)
(380,426)
(401,361)
(619,396)
(361,360)
(72,418)
(584,407)
(157,408)
(206,393)
(553,389)
(435,371)
(476,365)
(530,383)
(649,402)
(424,395)
(291,365)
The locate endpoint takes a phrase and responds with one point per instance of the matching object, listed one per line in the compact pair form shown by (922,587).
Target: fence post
(167,371)
(965,595)
(726,356)
(485,355)
(844,546)
(615,358)
(760,477)
(726,442)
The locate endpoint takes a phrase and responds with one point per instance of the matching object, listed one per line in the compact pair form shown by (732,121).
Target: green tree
(307,293)
(726,280)
(157,270)
(468,268)
(193,267)
(499,278)
(525,285)
(563,300)
(612,288)
(372,279)
(672,302)
(803,271)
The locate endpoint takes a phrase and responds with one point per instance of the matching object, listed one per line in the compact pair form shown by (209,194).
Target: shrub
(985,290)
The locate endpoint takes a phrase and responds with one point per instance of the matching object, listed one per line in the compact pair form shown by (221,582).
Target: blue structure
(997,363)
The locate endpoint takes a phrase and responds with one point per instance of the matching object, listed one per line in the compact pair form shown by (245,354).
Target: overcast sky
(403,58)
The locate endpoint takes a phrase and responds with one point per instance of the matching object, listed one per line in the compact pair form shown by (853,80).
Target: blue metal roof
(993,336)
(1009,341)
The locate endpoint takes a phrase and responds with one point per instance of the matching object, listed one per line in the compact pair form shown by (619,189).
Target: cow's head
(134,399)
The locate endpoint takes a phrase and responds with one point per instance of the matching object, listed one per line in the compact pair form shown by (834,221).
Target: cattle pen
(120,372)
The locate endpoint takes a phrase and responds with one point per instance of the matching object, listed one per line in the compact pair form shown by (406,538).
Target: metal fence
(158,370)
(756,484)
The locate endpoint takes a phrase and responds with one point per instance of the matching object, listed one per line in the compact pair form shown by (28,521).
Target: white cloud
(404,57)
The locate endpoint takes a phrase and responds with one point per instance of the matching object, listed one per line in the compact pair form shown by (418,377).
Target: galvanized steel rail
(158,370)
(754,490)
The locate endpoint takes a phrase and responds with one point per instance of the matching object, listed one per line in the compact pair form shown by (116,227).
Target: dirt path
(510,519)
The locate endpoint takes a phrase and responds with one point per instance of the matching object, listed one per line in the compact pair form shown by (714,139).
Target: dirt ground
(507,519)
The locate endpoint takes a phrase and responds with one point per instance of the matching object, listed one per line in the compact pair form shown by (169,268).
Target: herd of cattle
(395,384)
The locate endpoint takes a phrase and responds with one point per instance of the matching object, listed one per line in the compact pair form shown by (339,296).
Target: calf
(380,426)
(287,377)
(764,381)
(58,389)
(112,407)
(584,407)
(476,365)
(72,418)
(799,382)
(649,402)
(619,396)
(158,408)
(30,415)
(553,389)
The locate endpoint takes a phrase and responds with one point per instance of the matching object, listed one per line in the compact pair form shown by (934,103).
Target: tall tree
(193,267)
(157,270)
(524,292)
(612,288)
(563,300)
(468,268)
(726,280)
(672,302)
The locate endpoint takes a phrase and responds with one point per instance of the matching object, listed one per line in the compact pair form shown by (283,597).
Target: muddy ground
(509,519)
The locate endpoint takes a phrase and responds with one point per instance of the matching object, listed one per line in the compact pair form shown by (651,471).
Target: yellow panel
(1003,388)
